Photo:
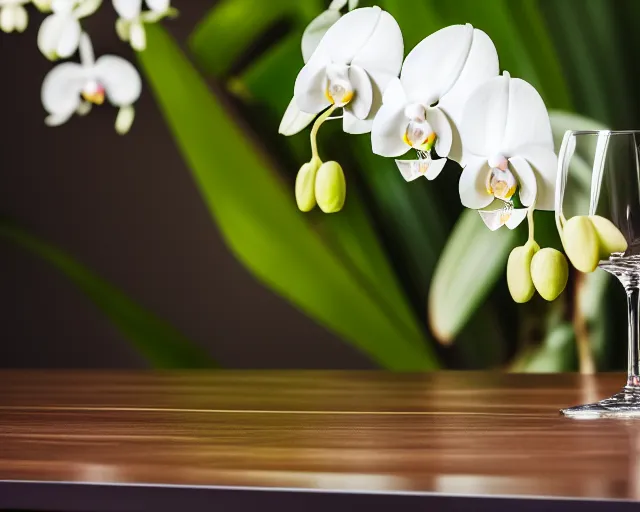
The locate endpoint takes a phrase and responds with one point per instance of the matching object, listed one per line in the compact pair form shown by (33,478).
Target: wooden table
(229,440)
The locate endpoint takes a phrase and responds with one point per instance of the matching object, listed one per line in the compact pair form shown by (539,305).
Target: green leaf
(556,354)
(416,19)
(471,263)
(259,220)
(575,44)
(532,29)
(232,27)
(157,341)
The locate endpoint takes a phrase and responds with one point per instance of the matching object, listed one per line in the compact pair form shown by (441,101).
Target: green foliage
(155,339)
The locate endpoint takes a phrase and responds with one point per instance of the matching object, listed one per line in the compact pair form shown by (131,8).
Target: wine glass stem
(633,372)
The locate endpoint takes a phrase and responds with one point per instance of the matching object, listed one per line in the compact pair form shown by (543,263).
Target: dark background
(126,207)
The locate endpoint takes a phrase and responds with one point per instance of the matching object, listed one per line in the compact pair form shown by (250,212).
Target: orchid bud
(519,272)
(305,186)
(331,188)
(609,237)
(549,271)
(581,243)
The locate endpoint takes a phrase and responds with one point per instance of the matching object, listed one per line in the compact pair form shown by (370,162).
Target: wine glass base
(625,404)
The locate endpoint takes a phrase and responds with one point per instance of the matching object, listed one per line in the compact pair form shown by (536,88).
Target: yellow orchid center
(501,182)
(94,93)
(339,92)
(419,134)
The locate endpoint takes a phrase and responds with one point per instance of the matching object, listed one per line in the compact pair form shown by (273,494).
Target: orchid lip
(501,184)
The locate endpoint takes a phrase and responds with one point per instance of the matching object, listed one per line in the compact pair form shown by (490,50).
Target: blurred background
(180,245)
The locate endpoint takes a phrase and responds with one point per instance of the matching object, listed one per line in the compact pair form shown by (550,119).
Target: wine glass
(599,174)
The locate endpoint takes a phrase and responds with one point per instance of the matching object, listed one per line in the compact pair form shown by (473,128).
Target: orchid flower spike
(352,65)
(130,24)
(72,88)
(294,120)
(422,109)
(59,34)
(508,143)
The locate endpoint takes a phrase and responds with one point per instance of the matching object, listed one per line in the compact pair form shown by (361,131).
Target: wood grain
(450,433)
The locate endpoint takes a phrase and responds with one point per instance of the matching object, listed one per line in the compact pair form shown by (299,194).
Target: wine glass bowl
(599,180)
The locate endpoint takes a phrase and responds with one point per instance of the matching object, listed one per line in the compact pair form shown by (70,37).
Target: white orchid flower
(422,109)
(351,67)
(508,143)
(294,120)
(59,34)
(130,24)
(72,88)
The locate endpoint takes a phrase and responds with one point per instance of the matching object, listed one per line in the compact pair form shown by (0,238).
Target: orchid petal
(294,120)
(20,18)
(128,9)
(158,5)
(434,65)
(526,179)
(353,4)
(123,29)
(484,118)
(57,119)
(435,168)
(336,5)
(383,50)
(59,36)
(62,6)
(42,5)
(503,115)
(7,18)
(309,89)
(387,132)
(86,8)
(351,124)
(545,165)
(137,36)
(316,30)
(350,34)
(440,125)
(472,185)
(361,103)
(61,89)
(394,95)
(516,217)
(120,79)
(413,169)
(480,66)
(528,122)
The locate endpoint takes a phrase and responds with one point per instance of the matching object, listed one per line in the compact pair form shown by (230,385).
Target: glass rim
(603,132)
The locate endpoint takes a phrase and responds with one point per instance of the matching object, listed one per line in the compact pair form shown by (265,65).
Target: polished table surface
(441,434)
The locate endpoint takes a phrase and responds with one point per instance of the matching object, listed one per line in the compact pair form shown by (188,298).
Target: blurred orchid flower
(72,88)
(422,109)
(130,24)
(351,67)
(508,143)
(13,15)
(294,120)
(59,34)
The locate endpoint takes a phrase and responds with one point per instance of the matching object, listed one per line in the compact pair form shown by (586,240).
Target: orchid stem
(530,221)
(314,131)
